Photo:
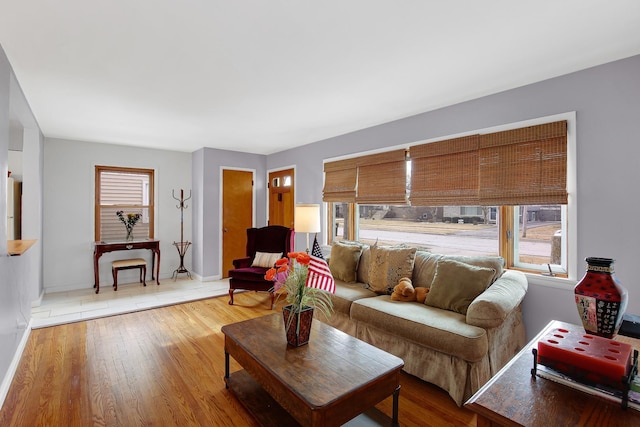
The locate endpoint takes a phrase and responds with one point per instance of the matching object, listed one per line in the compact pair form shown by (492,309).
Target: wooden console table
(104,247)
(515,398)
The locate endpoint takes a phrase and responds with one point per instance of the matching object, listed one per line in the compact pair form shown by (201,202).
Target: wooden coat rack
(181,246)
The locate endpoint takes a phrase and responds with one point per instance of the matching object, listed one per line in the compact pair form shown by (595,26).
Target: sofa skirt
(459,378)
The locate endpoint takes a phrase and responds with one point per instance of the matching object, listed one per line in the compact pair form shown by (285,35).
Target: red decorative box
(586,358)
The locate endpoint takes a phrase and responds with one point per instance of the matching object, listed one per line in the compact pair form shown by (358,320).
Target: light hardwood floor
(163,366)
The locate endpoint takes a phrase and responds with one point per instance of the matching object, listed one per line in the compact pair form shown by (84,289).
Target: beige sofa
(455,339)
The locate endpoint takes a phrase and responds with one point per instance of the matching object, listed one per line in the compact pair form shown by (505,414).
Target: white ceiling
(261,76)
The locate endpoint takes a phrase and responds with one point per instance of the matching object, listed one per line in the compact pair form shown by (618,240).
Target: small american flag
(319,274)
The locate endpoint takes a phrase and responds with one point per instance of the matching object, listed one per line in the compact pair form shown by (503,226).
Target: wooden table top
(513,397)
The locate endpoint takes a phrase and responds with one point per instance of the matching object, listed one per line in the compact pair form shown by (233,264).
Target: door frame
(267,188)
(220,209)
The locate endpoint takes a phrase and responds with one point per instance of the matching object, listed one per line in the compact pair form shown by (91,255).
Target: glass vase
(129,234)
(600,298)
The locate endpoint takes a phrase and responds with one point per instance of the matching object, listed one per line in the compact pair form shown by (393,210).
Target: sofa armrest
(242,262)
(491,308)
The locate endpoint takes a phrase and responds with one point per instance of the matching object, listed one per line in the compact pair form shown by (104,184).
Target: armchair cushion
(251,274)
(266,259)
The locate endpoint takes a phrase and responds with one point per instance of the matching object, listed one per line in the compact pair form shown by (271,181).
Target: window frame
(148,210)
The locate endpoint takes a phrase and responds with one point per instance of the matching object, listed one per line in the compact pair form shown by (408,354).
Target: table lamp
(307,219)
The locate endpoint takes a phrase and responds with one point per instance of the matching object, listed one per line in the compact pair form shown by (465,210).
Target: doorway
(281,198)
(237,215)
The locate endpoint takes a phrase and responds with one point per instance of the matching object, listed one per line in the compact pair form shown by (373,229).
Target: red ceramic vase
(600,298)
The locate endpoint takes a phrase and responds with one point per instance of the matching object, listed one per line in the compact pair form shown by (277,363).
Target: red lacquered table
(513,397)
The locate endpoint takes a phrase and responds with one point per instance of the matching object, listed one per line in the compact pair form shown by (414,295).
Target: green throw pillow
(388,265)
(344,259)
(456,284)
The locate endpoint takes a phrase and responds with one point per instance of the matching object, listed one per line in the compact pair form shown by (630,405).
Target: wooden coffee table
(327,382)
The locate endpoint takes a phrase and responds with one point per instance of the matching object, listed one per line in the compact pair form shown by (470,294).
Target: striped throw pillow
(265,259)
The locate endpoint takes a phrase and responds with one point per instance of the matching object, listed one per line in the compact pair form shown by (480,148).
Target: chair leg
(143,275)
(114,271)
(231,296)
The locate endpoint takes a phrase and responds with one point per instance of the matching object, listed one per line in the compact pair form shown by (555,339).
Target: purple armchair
(267,240)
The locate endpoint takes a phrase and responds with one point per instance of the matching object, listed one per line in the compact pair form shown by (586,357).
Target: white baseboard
(38,302)
(13,367)
(208,278)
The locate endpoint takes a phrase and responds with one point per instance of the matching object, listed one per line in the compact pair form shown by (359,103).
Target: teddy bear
(404,291)
(421,293)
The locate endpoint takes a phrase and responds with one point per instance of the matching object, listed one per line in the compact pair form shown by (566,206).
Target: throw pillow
(363,265)
(495,262)
(265,259)
(456,284)
(343,262)
(388,265)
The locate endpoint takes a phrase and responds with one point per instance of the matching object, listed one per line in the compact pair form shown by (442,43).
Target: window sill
(19,247)
(551,282)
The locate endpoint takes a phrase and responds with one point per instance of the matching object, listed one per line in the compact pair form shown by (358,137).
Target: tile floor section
(65,307)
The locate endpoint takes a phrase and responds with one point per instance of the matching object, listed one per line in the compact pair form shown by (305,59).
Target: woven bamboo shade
(445,173)
(524,166)
(340,181)
(382,178)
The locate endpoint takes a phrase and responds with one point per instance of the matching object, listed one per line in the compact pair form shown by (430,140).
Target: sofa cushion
(425,264)
(343,261)
(495,262)
(443,331)
(388,265)
(424,268)
(346,293)
(363,265)
(265,259)
(456,284)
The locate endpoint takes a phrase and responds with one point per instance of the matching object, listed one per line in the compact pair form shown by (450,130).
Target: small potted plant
(306,286)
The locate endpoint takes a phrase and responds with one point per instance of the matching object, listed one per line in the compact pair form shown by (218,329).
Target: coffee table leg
(226,369)
(396,395)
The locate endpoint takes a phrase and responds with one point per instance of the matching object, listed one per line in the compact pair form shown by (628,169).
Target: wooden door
(237,215)
(281,202)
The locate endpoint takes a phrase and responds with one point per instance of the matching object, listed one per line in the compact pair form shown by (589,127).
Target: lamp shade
(307,218)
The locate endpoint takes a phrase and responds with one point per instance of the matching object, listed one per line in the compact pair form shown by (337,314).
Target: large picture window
(495,193)
(129,190)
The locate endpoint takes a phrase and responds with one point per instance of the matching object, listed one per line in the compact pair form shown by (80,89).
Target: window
(536,239)
(123,189)
(513,188)
(443,229)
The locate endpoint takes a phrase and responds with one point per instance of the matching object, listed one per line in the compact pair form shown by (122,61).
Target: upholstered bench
(126,264)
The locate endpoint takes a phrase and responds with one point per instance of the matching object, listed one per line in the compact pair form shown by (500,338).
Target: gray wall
(20,276)
(607,104)
(69,208)
(207,173)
